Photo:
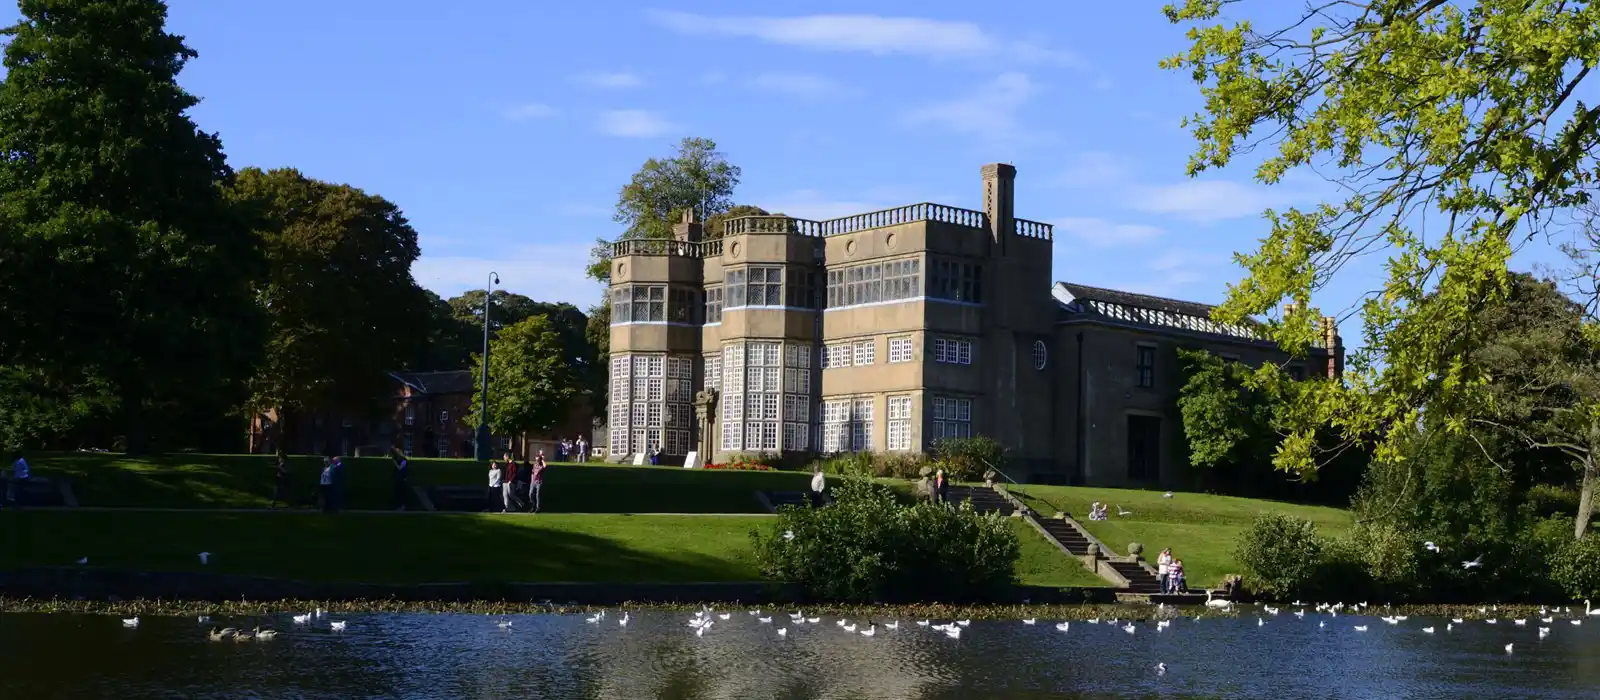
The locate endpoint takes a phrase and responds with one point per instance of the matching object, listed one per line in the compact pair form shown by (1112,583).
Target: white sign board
(638,459)
(692,460)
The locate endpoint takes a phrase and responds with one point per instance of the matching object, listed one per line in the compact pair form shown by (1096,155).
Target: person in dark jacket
(941,487)
(402,478)
(280,481)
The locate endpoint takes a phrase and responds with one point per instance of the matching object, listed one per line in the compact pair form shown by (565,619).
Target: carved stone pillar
(705,414)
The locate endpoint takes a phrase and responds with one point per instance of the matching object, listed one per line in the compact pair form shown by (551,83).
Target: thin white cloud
(634,123)
(612,80)
(550,272)
(873,34)
(989,112)
(1213,200)
(529,111)
(803,85)
(1093,169)
(1101,233)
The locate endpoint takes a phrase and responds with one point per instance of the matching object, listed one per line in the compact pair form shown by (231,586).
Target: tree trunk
(1591,474)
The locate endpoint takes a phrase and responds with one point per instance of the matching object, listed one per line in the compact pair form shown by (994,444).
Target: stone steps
(1067,535)
(1139,580)
(984,500)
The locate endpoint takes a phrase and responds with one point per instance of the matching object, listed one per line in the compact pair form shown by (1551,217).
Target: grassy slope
(1203,530)
(246,481)
(394,548)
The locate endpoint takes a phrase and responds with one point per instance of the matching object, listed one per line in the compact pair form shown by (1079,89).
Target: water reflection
(659,656)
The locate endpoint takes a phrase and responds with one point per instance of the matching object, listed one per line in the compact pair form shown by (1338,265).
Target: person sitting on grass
(495,495)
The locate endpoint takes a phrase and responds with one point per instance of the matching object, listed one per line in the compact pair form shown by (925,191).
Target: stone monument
(705,415)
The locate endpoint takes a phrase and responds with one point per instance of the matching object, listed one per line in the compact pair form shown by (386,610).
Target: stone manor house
(887,330)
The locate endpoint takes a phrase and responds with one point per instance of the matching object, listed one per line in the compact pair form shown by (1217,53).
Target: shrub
(963,459)
(1389,556)
(1544,500)
(867,464)
(737,466)
(866,547)
(1577,567)
(1281,554)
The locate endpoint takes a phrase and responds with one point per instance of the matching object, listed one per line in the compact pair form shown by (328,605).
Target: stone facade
(885,331)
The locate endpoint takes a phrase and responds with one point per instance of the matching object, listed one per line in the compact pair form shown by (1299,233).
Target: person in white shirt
(19,478)
(495,494)
(325,485)
(819,484)
(583,449)
(1164,570)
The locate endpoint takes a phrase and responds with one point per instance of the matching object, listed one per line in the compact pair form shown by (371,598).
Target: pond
(658,655)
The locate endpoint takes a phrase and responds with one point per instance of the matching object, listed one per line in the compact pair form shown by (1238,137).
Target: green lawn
(1202,530)
(1044,564)
(246,481)
(397,548)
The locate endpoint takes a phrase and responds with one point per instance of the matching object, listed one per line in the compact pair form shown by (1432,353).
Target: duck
(953,632)
(302,619)
(265,635)
(1544,632)
(337,626)
(783,631)
(1260,622)
(1063,626)
(923,623)
(870,631)
(1520,623)
(1130,629)
(764,620)
(1509,646)
(503,624)
(964,623)
(623,622)
(203,619)
(1029,620)
(130,622)
(1216,603)
(725,616)
(1427,630)
(243,636)
(1360,628)
(217,635)
(892,625)
(813,620)
(850,627)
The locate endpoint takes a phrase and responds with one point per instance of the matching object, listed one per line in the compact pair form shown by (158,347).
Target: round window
(1040,355)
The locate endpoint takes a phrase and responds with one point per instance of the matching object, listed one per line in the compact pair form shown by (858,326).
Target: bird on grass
(1123,513)
(1167,495)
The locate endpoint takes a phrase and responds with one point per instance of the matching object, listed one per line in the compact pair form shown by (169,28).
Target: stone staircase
(984,500)
(1140,581)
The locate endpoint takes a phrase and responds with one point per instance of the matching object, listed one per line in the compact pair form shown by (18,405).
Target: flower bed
(741,466)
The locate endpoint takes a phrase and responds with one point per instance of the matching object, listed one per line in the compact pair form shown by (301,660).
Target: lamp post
(482,442)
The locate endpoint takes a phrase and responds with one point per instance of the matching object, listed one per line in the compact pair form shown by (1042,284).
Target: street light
(481,445)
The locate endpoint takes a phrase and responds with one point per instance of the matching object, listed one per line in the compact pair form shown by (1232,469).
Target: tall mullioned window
(955,280)
(735,287)
(1145,366)
(681,306)
(714,304)
(847,424)
(802,289)
(650,403)
(951,417)
(899,432)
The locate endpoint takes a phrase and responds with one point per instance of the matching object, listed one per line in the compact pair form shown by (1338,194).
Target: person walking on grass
(496,493)
(280,481)
(325,486)
(16,489)
(819,484)
(402,477)
(536,481)
(508,484)
(583,449)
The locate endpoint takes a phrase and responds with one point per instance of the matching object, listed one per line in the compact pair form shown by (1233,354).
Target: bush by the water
(1577,567)
(869,547)
(1281,554)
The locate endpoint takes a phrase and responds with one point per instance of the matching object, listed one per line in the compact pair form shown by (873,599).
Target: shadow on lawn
(397,552)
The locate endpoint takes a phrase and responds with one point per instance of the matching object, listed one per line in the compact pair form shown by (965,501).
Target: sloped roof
(451,382)
(1081,300)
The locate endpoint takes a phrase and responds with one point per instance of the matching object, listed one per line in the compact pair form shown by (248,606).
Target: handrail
(1013,482)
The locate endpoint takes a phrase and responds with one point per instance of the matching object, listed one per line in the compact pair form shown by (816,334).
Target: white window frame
(866,352)
(900,349)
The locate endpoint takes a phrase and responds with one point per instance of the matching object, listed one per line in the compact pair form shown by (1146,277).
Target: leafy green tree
(120,258)
(1226,418)
(698,177)
(341,303)
(1456,135)
(532,383)
(448,341)
(38,411)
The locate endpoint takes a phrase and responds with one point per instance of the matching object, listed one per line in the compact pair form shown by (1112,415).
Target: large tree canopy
(342,306)
(1456,135)
(698,177)
(119,257)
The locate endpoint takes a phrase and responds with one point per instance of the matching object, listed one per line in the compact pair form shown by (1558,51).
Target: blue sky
(504,128)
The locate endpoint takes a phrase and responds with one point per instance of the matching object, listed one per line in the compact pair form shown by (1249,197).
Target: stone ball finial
(1135,550)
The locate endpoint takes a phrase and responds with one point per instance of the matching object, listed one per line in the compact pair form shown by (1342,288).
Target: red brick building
(429,414)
